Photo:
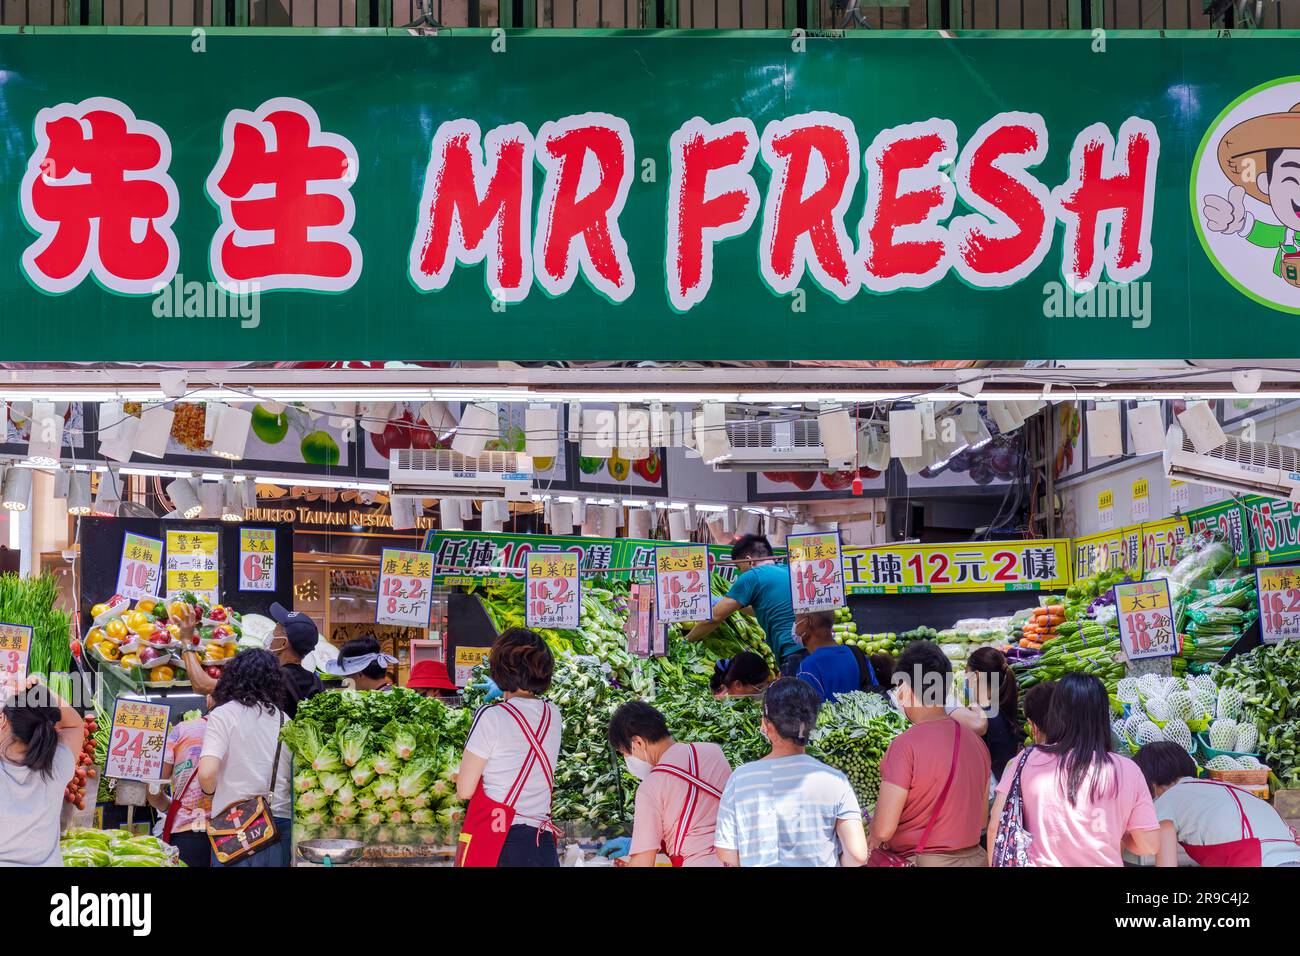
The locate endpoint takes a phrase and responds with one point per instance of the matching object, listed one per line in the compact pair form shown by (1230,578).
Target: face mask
(637,768)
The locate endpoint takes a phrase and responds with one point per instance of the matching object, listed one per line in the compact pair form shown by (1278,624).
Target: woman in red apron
(677,801)
(507,771)
(1216,823)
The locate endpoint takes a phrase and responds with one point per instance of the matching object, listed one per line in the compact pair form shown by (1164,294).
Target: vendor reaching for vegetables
(677,799)
(508,769)
(763,589)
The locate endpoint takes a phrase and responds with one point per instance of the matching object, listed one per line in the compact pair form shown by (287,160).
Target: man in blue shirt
(832,669)
(763,589)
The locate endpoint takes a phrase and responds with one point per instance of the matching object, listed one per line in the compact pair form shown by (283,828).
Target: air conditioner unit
(438,472)
(765,444)
(1243,467)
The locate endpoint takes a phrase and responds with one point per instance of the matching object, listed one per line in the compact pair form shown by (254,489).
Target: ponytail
(35,728)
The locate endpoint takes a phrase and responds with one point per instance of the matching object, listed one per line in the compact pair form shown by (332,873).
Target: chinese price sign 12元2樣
(554,592)
(1146,620)
(405,588)
(15,648)
(682,584)
(137,741)
(257,559)
(139,571)
(1279,603)
(816,572)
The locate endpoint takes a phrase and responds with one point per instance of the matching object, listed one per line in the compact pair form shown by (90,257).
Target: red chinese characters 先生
(283,188)
(98,195)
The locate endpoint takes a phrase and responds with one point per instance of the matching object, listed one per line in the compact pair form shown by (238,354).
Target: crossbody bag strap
(943,794)
(175,806)
(275,767)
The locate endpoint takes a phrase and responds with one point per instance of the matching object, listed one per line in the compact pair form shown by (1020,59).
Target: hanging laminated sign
(1141,500)
(257,559)
(1279,603)
(682,588)
(1180,495)
(554,591)
(1106,510)
(192,564)
(816,571)
(140,570)
(405,588)
(137,740)
(15,648)
(1146,621)
(468,658)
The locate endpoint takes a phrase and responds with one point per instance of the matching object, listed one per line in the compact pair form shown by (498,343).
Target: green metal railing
(846,15)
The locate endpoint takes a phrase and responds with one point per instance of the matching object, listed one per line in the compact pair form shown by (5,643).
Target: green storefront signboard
(1232,519)
(463,557)
(1274,525)
(551,195)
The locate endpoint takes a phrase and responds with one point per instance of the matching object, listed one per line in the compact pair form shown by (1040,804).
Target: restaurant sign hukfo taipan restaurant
(750,197)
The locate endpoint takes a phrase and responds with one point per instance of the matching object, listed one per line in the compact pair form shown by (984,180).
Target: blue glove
(615,848)
(489,685)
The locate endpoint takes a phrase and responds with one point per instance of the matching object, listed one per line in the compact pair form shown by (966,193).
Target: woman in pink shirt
(681,784)
(1082,804)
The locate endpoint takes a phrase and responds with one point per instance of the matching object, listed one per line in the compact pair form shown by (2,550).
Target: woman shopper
(186,811)
(744,675)
(507,770)
(935,775)
(677,799)
(1082,804)
(242,755)
(1038,706)
(789,809)
(40,738)
(1209,822)
(991,686)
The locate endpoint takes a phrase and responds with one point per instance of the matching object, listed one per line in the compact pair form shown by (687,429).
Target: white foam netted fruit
(1157,709)
(1223,762)
(1179,704)
(1229,703)
(1247,738)
(1126,691)
(1151,685)
(1178,732)
(1148,733)
(1223,734)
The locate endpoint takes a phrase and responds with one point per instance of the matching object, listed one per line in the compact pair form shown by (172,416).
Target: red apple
(213,671)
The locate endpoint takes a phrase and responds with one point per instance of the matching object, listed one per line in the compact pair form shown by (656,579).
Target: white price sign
(405,588)
(138,740)
(139,573)
(1180,495)
(1146,620)
(682,589)
(816,571)
(1141,500)
(257,559)
(1279,603)
(1106,510)
(554,590)
(15,648)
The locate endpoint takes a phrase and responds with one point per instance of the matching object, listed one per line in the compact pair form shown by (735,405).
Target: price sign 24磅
(554,591)
(1146,620)
(1279,603)
(405,588)
(682,584)
(816,572)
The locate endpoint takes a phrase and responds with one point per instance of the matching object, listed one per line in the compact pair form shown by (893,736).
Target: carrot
(1055,609)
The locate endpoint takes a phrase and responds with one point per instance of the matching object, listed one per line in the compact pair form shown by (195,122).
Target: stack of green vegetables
(1081,645)
(376,766)
(95,848)
(852,735)
(1214,617)
(30,601)
(1268,678)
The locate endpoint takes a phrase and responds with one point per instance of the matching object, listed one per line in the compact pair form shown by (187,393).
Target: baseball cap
(430,674)
(299,628)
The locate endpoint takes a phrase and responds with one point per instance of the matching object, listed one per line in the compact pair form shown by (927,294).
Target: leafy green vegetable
(352,743)
(327,758)
(413,777)
(363,772)
(332,781)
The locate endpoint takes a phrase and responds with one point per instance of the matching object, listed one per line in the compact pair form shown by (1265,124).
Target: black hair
(360,647)
(1164,763)
(1038,706)
(746,667)
(991,661)
(520,660)
(1080,722)
(920,665)
(636,718)
(751,546)
(253,678)
(35,725)
(883,665)
(1271,156)
(790,706)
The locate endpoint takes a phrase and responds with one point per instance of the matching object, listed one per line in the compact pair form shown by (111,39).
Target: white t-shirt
(497,738)
(30,806)
(243,738)
(784,811)
(1205,813)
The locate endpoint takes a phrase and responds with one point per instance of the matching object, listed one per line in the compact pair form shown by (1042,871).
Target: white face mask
(637,768)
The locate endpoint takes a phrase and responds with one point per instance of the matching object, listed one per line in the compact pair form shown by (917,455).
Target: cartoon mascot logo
(1246,194)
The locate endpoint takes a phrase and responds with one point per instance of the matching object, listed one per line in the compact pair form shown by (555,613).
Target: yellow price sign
(1105,499)
(1146,621)
(1140,488)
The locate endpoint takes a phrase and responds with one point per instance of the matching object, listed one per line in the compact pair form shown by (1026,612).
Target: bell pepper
(649,468)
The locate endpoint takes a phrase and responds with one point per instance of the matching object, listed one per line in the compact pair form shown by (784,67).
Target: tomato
(214,672)
(116,629)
